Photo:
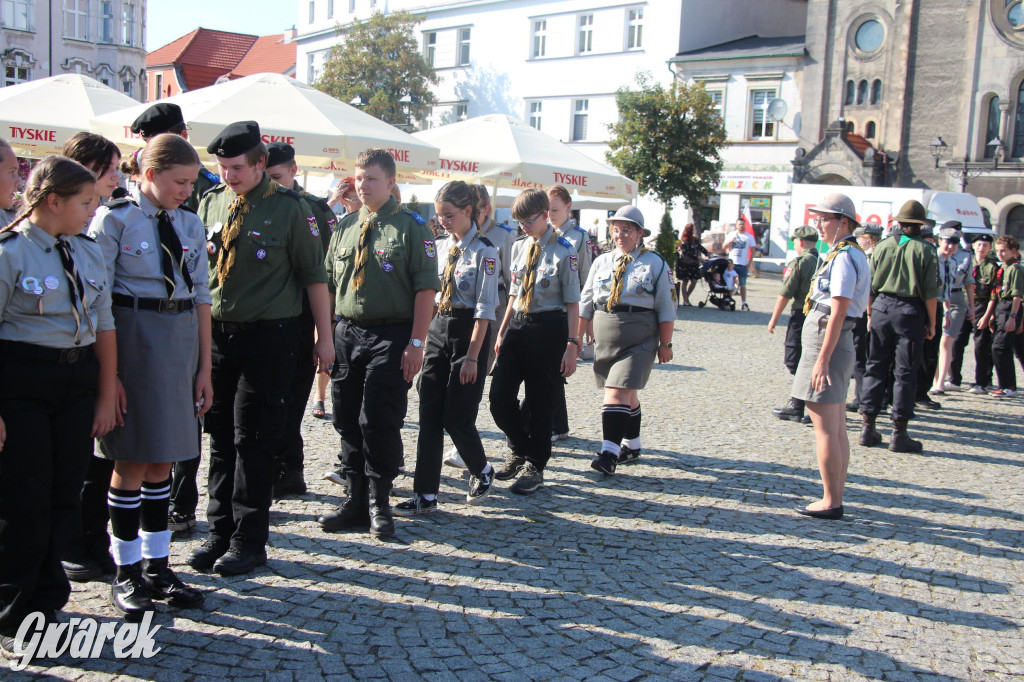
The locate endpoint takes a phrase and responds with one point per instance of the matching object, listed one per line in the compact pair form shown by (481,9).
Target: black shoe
(793,412)
(289,483)
(479,487)
(163,584)
(239,560)
(929,404)
(9,648)
(806,420)
(82,569)
(349,516)
(508,469)
(128,593)
(833,514)
(528,481)
(628,455)
(417,504)
(205,555)
(382,524)
(181,523)
(605,463)
(852,407)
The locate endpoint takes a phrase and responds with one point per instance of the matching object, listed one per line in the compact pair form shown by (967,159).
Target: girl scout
(58,383)
(155,255)
(631,300)
(838,297)
(452,382)
(956,297)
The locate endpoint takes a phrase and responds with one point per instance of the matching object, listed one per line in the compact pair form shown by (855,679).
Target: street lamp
(359,101)
(938,149)
(997,151)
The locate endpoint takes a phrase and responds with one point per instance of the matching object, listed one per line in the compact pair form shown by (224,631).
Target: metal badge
(51,282)
(387,266)
(30,284)
(261,254)
(144,245)
(545,283)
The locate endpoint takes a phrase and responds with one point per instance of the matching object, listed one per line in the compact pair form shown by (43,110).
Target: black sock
(614,420)
(633,430)
(123,506)
(156,502)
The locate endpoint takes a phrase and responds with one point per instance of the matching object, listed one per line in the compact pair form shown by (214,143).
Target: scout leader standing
(1004,314)
(796,282)
(534,345)
(901,312)
(264,250)
(382,264)
(868,235)
(288,479)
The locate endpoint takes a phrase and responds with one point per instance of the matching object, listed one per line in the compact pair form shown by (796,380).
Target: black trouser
(956,366)
(861,340)
(370,397)
(531,354)
(896,339)
(291,457)
(184,486)
(446,404)
(983,360)
(89,540)
(252,377)
(929,363)
(48,412)
(1005,345)
(793,346)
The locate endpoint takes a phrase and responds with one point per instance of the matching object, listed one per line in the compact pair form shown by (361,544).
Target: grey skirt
(957,314)
(626,345)
(157,361)
(840,366)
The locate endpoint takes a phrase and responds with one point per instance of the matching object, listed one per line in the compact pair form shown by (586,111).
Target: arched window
(850,87)
(1015,222)
(869,130)
(851,127)
(862,92)
(876,91)
(1018,124)
(991,126)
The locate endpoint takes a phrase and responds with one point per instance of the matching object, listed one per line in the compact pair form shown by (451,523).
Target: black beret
(279,152)
(159,118)
(236,139)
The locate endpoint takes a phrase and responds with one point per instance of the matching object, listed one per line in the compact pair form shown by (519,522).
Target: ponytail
(53,175)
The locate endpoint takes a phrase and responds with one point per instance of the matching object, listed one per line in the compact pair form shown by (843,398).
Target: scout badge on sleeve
(313,229)
(574,262)
(489,265)
(428,246)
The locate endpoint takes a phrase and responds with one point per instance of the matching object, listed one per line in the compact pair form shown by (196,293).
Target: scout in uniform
(264,251)
(984,267)
(904,290)
(452,382)
(58,384)
(796,281)
(837,298)
(289,479)
(382,266)
(534,344)
(868,235)
(1004,314)
(155,255)
(956,296)
(631,303)
(99,155)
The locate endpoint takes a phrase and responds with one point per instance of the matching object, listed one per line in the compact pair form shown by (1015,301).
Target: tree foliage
(665,243)
(380,61)
(668,139)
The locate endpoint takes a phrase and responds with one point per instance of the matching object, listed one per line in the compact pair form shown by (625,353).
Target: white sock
(487,469)
(608,446)
(126,552)
(632,443)
(156,544)
(428,498)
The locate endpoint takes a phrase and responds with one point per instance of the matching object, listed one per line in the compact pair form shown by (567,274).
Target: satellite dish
(777,109)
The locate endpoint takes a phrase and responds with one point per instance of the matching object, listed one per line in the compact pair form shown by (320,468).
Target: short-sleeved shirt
(1013,281)
(739,252)
(403,261)
(984,277)
(847,275)
(326,221)
(277,253)
(904,266)
(646,284)
(503,237)
(475,278)
(580,241)
(796,278)
(955,272)
(127,232)
(557,281)
(35,298)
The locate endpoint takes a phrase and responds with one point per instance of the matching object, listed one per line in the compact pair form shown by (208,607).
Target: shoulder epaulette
(443,235)
(585,233)
(321,202)
(120,202)
(522,237)
(216,188)
(507,228)
(565,242)
(415,216)
(486,241)
(212,177)
(290,192)
(9,234)
(85,237)
(187,209)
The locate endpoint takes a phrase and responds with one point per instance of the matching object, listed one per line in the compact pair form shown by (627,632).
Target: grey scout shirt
(131,247)
(475,279)
(35,302)
(847,275)
(954,273)
(646,284)
(580,241)
(558,279)
(502,237)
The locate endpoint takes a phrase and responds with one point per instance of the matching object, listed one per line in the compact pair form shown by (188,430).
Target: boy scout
(288,479)
(796,281)
(385,276)
(1004,313)
(984,266)
(264,249)
(904,290)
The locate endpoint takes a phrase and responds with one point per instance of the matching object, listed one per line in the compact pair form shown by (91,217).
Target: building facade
(102,39)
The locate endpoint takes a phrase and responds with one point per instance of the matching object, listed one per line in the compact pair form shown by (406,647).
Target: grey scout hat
(838,204)
(631,214)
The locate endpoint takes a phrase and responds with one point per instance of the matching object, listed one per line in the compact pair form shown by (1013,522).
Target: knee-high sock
(156,501)
(632,440)
(614,421)
(123,506)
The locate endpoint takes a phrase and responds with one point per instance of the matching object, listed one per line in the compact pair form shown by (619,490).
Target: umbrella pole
(494,199)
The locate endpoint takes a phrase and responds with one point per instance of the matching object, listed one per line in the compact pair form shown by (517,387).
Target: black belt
(902,298)
(366,324)
(58,356)
(457,312)
(822,308)
(236,327)
(539,317)
(956,291)
(159,305)
(629,309)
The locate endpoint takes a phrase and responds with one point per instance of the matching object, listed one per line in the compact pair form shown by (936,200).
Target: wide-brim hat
(871,229)
(631,214)
(837,203)
(913,212)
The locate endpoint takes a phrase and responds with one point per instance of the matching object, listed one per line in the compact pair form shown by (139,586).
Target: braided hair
(53,175)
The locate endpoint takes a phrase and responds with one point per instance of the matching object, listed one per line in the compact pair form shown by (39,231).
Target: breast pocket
(392,256)
(264,249)
(466,279)
(135,258)
(94,286)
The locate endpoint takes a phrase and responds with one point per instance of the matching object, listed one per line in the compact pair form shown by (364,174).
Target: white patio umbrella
(38,117)
(502,151)
(327,134)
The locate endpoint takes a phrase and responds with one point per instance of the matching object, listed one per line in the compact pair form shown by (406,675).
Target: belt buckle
(171,306)
(71,355)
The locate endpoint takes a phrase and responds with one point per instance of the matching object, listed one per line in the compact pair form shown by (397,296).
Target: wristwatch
(667,345)
(416,343)
(574,340)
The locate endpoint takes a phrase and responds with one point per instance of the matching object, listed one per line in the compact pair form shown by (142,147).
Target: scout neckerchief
(363,252)
(171,254)
(997,284)
(236,216)
(532,256)
(75,287)
(845,244)
(619,276)
(445,304)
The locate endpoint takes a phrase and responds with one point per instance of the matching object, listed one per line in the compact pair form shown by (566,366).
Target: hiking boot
(529,480)
(508,469)
(900,441)
(869,435)
(793,411)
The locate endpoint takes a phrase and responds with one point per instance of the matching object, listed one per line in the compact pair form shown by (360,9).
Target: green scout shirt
(1013,282)
(984,277)
(402,263)
(277,254)
(203,183)
(325,219)
(905,266)
(796,279)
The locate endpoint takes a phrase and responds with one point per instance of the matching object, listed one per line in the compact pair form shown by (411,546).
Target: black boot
(869,435)
(289,482)
(353,513)
(900,441)
(128,593)
(161,583)
(382,525)
(793,412)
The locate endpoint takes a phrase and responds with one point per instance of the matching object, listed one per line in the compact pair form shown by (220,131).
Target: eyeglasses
(822,219)
(527,223)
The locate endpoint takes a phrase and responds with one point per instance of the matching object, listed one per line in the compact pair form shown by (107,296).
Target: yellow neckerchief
(619,275)
(236,216)
(844,244)
(530,276)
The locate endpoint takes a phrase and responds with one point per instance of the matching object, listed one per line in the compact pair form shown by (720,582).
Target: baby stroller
(718,294)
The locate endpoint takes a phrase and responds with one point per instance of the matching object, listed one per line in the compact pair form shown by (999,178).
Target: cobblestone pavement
(690,564)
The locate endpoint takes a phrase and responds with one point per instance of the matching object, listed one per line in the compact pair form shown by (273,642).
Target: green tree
(668,139)
(380,62)
(665,243)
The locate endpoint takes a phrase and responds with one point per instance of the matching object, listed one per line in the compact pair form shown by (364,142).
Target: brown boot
(900,441)
(869,435)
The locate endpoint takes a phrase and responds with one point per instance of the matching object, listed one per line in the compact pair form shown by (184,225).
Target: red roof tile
(204,55)
(269,54)
(858,142)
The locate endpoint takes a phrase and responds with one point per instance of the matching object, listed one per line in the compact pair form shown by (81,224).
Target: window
(128,24)
(373,3)
(760,125)
(586,42)
(460,111)
(991,126)
(106,22)
(159,86)
(463,47)
(635,29)
(17,14)
(869,36)
(310,68)
(535,114)
(579,120)
(1015,222)
(1018,126)
(851,127)
(850,89)
(862,92)
(76,19)
(1015,14)
(430,46)
(351,6)
(540,38)
(869,130)
(126,86)
(312,11)
(876,91)
(17,71)
(718,97)
(330,9)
